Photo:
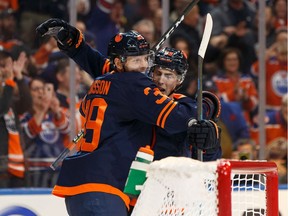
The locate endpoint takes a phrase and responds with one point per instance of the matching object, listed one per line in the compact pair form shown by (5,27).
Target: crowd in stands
(34,75)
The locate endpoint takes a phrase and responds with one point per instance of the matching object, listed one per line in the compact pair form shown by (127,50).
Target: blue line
(25,191)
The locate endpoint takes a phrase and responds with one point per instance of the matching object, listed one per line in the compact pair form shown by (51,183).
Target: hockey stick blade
(167,34)
(206,36)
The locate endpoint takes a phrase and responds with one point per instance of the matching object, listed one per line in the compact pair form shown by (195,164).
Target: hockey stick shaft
(167,34)
(201,54)
(67,150)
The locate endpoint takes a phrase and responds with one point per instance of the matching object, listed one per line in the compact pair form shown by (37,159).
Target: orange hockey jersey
(276,82)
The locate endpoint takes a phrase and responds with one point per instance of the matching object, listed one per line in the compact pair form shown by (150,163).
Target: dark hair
(226,52)
(174,40)
(61,65)
(38,78)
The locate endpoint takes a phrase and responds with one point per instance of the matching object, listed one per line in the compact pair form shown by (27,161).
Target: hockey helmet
(130,43)
(172,59)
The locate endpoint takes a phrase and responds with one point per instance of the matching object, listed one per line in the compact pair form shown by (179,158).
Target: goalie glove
(213,104)
(204,134)
(69,38)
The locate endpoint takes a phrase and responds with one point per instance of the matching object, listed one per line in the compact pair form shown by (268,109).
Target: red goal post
(227,168)
(177,186)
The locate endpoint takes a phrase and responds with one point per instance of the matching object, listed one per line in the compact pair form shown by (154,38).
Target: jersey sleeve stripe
(167,113)
(162,113)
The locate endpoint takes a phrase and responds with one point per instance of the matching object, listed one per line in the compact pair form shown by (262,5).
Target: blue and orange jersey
(120,110)
(44,140)
(165,144)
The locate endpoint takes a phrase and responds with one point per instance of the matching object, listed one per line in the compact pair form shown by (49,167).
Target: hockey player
(168,73)
(120,109)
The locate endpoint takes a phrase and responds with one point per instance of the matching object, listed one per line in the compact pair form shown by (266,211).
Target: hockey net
(187,187)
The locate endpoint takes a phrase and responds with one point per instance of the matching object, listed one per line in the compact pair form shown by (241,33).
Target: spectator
(183,43)
(232,27)
(32,13)
(83,8)
(157,20)
(9,4)
(269,26)
(281,36)
(189,30)
(205,6)
(245,150)
(105,21)
(147,29)
(276,138)
(90,38)
(42,54)
(276,124)
(9,31)
(45,128)
(29,70)
(233,85)
(134,10)
(277,152)
(152,8)
(62,74)
(14,101)
(276,76)
(178,7)
(280,12)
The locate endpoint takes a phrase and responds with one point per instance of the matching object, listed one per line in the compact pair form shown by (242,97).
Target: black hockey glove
(214,105)
(204,134)
(68,37)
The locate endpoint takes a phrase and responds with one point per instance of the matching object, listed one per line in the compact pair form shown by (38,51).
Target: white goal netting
(178,186)
(167,190)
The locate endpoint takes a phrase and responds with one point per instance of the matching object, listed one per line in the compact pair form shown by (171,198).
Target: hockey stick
(167,34)
(67,150)
(201,54)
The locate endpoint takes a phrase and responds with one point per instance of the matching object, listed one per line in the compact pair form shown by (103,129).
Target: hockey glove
(204,134)
(213,104)
(68,37)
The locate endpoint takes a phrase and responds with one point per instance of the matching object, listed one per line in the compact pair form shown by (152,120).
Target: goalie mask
(172,59)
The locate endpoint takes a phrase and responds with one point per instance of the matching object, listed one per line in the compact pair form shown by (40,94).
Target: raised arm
(71,41)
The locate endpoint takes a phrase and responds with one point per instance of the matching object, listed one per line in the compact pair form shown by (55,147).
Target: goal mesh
(186,187)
